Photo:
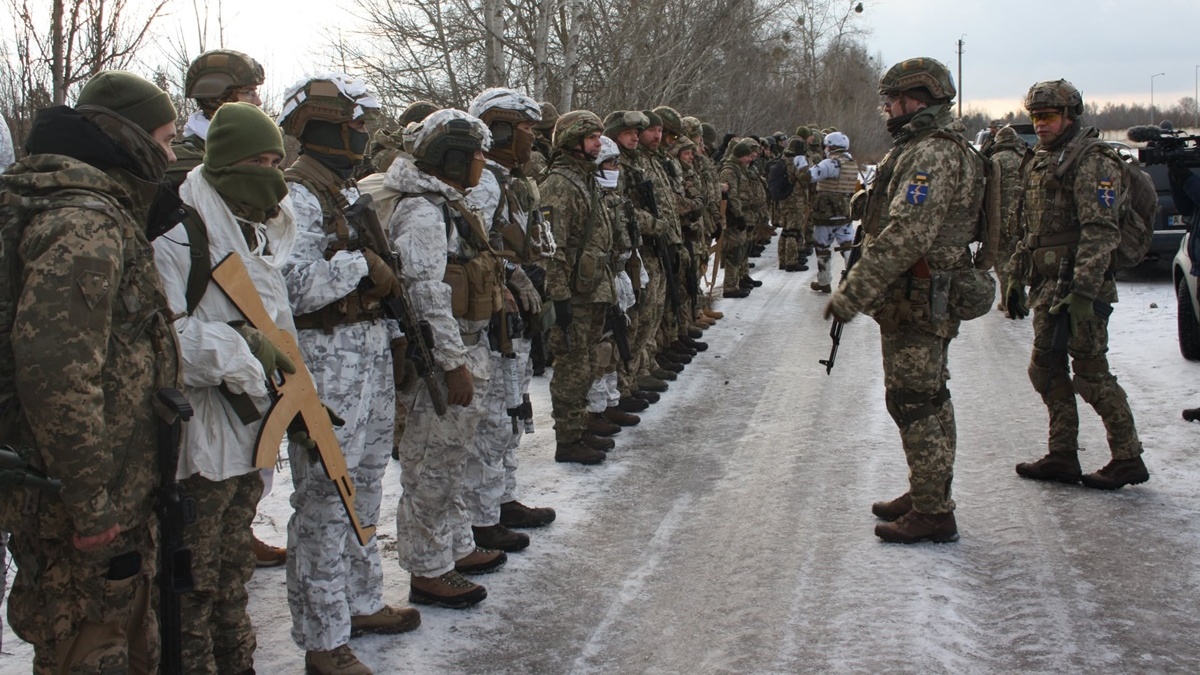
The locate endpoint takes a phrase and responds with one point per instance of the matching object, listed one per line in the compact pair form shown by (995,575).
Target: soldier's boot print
(621,418)
(1055,466)
(500,538)
(387,621)
(516,514)
(891,510)
(1117,474)
(481,561)
(915,526)
(339,661)
(577,453)
(449,590)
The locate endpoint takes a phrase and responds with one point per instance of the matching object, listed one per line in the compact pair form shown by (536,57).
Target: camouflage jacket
(93,344)
(710,189)
(1086,204)
(652,168)
(744,193)
(924,204)
(581,268)
(1009,154)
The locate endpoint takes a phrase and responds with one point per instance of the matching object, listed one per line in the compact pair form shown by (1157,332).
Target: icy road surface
(731,533)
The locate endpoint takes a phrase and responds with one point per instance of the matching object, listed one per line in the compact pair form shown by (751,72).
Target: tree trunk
(493,24)
(571,54)
(541,48)
(58,78)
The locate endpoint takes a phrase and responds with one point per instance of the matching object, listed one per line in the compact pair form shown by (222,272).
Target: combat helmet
(919,73)
(445,143)
(571,128)
(795,146)
(415,112)
(672,123)
(709,132)
(549,117)
(837,139)
(620,120)
(692,127)
(334,98)
(212,74)
(1058,94)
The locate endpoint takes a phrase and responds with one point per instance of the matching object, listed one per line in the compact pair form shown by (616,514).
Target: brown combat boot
(621,418)
(915,526)
(713,314)
(820,287)
(577,453)
(500,538)
(598,426)
(705,322)
(597,443)
(266,555)
(449,590)
(646,395)
(651,384)
(480,561)
(632,404)
(387,621)
(1117,474)
(1058,466)
(516,514)
(892,510)
(339,661)
(662,375)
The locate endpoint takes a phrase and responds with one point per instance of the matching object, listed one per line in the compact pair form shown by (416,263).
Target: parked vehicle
(1187,307)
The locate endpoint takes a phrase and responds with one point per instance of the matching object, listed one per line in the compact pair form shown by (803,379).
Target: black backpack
(779,187)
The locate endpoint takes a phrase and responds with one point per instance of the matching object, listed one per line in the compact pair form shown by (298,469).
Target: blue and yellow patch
(1105,193)
(918,189)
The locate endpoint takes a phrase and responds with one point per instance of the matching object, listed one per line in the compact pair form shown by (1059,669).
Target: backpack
(779,187)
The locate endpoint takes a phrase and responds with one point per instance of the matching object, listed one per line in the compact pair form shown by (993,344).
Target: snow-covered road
(731,533)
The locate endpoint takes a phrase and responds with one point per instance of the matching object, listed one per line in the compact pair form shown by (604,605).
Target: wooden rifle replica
(295,397)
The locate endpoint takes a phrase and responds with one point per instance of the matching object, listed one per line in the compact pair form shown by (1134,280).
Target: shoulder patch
(92,280)
(918,189)
(1105,193)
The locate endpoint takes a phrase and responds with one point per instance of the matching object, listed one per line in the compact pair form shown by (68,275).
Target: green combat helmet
(1058,94)
(672,123)
(620,120)
(415,112)
(335,98)
(919,73)
(571,128)
(214,73)
(549,117)
(691,127)
(709,132)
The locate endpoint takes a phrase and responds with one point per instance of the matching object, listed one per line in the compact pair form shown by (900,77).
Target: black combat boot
(499,538)
(892,510)
(651,384)
(516,514)
(646,395)
(735,293)
(915,526)
(597,443)
(692,343)
(1191,414)
(577,453)
(1057,466)
(619,417)
(634,403)
(1117,474)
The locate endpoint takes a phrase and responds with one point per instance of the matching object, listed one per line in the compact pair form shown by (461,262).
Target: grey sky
(1107,48)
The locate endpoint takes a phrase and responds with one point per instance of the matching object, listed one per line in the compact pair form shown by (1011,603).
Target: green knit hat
(238,131)
(130,96)
(744,147)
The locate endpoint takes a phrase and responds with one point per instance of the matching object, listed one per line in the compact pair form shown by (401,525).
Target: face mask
(522,145)
(474,171)
(607,178)
(258,189)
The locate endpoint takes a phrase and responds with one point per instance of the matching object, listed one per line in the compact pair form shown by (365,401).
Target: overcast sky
(1104,47)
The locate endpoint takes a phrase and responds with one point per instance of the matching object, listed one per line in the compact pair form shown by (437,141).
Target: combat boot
(705,322)
(596,443)
(754,283)
(693,343)
(266,555)
(678,347)
(915,526)
(516,514)
(663,375)
(499,538)
(694,334)
(632,404)
(735,293)
(598,426)
(669,359)
(449,590)
(339,661)
(1058,466)
(713,314)
(646,395)
(619,417)
(387,621)
(651,384)
(481,561)
(1118,473)
(892,510)
(820,287)
(1191,414)
(577,453)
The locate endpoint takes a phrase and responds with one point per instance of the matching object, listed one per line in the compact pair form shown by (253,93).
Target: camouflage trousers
(575,369)
(627,373)
(330,576)
(733,254)
(651,306)
(791,238)
(87,612)
(1092,381)
(483,477)
(915,375)
(1004,253)
(523,347)
(217,634)
(432,526)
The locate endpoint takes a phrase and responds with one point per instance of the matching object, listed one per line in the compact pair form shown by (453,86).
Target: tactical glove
(268,354)
(562,314)
(383,279)
(460,387)
(1015,301)
(800,161)
(531,300)
(1078,307)
(298,433)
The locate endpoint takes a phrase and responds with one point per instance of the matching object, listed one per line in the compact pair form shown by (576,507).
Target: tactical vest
(593,259)
(847,181)
(519,194)
(476,276)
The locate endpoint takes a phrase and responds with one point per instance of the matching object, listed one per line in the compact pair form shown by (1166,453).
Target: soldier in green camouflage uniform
(92,345)
(711,223)
(539,159)
(1067,259)
(796,210)
(923,208)
(1008,150)
(579,281)
(743,190)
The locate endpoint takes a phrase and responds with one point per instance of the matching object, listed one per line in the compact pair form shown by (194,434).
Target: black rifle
(399,306)
(620,330)
(15,471)
(835,331)
(1062,322)
(175,512)
(645,190)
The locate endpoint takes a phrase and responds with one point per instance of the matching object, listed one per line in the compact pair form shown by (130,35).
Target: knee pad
(908,407)
(1089,377)
(1048,375)
(823,252)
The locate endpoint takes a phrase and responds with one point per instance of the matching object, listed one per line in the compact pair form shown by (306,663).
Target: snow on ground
(730,532)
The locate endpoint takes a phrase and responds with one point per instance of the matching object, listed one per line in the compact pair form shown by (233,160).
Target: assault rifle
(1062,321)
(505,324)
(620,330)
(295,402)
(15,471)
(645,190)
(835,330)
(175,512)
(399,306)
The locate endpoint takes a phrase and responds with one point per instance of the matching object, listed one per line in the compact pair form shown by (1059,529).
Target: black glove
(562,314)
(1015,300)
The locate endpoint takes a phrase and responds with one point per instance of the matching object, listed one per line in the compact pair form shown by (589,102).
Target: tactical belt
(1035,241)
(335,314)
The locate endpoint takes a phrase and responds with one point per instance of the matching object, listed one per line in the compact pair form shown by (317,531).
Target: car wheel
(1189,329)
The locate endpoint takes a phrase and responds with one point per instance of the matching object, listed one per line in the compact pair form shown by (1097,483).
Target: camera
(1165,145)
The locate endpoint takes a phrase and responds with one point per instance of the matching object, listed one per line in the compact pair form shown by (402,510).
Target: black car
(1169,225)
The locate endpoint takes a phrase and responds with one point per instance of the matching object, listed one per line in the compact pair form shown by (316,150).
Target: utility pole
(960,80)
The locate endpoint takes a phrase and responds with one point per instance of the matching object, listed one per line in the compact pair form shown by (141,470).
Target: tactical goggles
(635,118)
(1047,116)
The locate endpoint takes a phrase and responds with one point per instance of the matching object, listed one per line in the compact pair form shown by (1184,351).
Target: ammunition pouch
(475,289)
(589,271)
(354,308)
(908,407)
(1047,251)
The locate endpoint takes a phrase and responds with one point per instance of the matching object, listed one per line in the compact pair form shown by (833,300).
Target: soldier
(579,281)
(233,198)
(922,208)
(836,178)
(1067,259)
(335,585)
(543,129)
(91,346)
(441,244)
(742,186)
(712,221)
(508,202)
(796,209)
(1009,151)
(7,157)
